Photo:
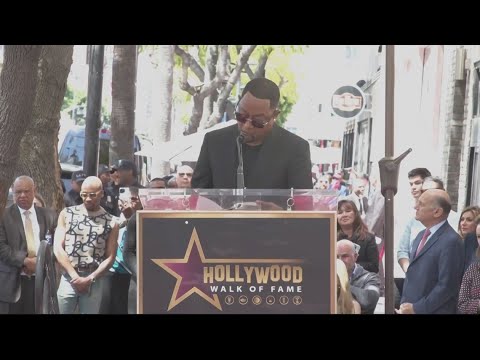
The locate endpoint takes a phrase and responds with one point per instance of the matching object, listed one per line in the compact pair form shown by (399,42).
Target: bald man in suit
(22,227)
(433,278)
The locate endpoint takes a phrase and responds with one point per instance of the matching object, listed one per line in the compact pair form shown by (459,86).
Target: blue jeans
(88,303)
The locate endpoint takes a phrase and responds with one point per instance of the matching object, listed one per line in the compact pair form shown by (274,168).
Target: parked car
(72,152)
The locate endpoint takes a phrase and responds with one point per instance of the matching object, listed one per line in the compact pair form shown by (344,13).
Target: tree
(124,70)
(18,82)
(279,71)
(163,126)
(39,146)
(215,90)
(219,70)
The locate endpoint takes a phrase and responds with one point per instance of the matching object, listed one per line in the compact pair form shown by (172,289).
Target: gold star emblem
(189,274)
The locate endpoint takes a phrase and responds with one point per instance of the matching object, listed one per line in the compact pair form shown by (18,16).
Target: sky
(322,70)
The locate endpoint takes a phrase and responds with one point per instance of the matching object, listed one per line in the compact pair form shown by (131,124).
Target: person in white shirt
(22,227)
(416,178)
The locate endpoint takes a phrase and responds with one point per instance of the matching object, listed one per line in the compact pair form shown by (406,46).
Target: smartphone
(125,194)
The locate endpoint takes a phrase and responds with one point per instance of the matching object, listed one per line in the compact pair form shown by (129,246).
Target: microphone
(240,175)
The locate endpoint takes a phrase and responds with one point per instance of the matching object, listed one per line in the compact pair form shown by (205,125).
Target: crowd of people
(94,240)
(95,234)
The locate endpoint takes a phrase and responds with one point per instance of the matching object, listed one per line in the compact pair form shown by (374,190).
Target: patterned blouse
(469,298)
(86,235)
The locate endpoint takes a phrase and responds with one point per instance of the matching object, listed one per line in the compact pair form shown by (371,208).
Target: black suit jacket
(13,248)
(433,278)
(283,162)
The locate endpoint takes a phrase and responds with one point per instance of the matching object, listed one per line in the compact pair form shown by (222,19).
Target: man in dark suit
(433,279)
(22,228)
(273,158)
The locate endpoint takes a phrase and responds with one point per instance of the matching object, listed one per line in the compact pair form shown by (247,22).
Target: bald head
(24,192)
(441,199)
(92,193)
(24,178)
(433,207)
(92,182)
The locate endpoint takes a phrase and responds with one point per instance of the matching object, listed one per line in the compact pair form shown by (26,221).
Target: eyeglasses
(187,174)
(91,195)
(258,122)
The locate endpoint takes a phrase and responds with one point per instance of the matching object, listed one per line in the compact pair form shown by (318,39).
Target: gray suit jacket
(433,279)
(13,248)
(283,162)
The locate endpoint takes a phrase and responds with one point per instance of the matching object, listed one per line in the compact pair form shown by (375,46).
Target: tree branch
(262,62)
(247,67)
(222,62)
(184,84)
(186,57)
(219,107)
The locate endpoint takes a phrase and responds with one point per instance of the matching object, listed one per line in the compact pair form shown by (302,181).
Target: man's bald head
(433,207)
(441,199)
(24,192)
(92,193)
(92,182)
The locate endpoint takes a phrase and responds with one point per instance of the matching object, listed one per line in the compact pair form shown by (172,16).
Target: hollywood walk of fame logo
(189,274)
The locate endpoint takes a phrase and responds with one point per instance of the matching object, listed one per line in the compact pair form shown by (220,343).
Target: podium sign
(227,262)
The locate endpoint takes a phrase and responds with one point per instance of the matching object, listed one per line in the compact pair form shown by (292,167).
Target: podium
(236,251)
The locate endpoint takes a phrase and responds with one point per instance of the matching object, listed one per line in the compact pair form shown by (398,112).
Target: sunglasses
(91,195)
(259,123)
(187,174)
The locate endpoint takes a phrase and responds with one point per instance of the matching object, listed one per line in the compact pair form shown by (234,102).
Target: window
(476,92)
(73,151)
(362,146)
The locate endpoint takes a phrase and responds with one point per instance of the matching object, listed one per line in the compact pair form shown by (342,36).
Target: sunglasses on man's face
(92,195)
(258,122)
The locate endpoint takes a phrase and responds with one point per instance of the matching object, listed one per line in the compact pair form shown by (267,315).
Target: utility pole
(94,108)
(389,167)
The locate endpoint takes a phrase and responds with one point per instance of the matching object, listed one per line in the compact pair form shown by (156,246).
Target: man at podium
(256,154)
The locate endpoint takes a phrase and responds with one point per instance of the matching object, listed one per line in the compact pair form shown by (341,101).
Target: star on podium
(189,274)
